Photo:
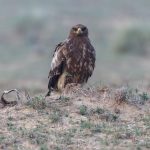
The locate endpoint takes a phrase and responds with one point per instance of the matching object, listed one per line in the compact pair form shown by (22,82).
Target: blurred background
(29,31)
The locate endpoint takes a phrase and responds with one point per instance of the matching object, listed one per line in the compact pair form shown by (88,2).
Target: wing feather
(57,65)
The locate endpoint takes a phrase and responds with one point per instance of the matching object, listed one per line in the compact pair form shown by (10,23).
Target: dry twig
(4,102)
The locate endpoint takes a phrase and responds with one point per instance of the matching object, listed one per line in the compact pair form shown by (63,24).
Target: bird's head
(79,30)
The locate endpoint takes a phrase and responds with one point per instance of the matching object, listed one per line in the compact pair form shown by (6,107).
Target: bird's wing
(58,60)
(57,65)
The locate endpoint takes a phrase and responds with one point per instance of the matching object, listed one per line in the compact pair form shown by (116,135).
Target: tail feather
(52,84)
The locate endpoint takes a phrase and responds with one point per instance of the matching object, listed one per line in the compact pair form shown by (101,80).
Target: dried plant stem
(11,103)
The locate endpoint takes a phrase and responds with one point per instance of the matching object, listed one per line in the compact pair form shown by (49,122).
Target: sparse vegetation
(99,110)
(59,124)
(64,98)
(38,135)
(37,102)
(144,96)
(83,110)
(44,147)
(129,95)
(96,128)
(133,40)
(85,125)
(55,116)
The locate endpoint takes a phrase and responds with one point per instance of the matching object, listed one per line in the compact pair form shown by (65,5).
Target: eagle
(73,60)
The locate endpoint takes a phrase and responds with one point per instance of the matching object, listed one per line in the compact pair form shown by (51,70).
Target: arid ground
(91,118)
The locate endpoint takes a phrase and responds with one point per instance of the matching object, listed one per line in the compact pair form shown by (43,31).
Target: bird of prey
(73,60)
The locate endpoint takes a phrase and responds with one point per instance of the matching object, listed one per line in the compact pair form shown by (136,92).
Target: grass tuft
(83,110)
(55,116)
(37,102)
(85,125)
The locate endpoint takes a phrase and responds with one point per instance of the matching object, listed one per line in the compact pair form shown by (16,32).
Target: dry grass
(90,118)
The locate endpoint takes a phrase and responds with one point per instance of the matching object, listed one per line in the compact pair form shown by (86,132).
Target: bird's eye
(84,28)
(74,29)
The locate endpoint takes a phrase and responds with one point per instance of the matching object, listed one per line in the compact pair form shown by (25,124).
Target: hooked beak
(79,31)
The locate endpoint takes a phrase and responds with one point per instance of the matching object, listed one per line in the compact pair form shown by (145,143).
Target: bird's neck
(72,37)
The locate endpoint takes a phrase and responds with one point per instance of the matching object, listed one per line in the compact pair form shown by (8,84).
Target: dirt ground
(92,118)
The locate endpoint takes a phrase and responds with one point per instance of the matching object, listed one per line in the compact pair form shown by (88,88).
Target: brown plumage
(73,60)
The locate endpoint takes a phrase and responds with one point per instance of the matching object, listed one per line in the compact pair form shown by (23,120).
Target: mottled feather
(73,60)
